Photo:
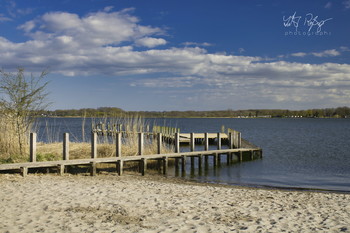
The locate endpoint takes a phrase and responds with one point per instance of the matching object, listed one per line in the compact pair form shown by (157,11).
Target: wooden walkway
(236,146)
(119,161)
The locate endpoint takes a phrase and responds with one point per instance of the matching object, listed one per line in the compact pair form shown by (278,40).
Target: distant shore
(132,203)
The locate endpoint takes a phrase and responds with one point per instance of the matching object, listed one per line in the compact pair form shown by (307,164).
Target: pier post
(32,147)
(177,143)
(215,160)
(206,142)
(240,156)
(192,142)
(93,168)
(141,143)
(200,162)
(230,139)
(66,146)
(159,143)
(218,138)
(24,171)
(94,145)
(192,147)
(183,164)
(120,164)
(60,169)
(206,147)
(144,166)
(165,165)
(118,144)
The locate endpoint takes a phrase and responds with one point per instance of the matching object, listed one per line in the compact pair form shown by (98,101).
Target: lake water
(297,153)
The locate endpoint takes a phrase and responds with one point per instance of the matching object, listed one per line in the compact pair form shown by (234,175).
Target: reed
(106,144)
(11,140)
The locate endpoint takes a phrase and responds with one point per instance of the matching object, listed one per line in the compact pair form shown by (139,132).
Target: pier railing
(235,148)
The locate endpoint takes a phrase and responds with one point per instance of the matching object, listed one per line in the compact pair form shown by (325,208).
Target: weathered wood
(120,164)
(177,143)
(159,143)
(141,140)
(183,164)
(144,166)
(118,144)
(215,161)
(200,162)
(206,141)
(60,169)
(94,145)
(66,146)
(24,171)
(218,141)
(32,147)
(162,157)
(240,156)
(192,142)
(165,165)
(230,136)
(93,169)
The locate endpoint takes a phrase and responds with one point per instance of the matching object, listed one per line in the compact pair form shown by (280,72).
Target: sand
(132,203)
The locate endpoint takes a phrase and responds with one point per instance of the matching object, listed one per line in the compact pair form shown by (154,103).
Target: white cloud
(300,54)
(204,44)
(150,42)
(101,43)
(327,53)
(4,18)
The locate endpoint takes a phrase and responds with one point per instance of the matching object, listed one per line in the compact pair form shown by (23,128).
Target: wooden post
(200,162)
(32,147)
(230,140)
(206,142)
(24,171)
(60,169)
(118,144)
(93,168)
(252,154)
(215,159)
(165,165)
(120,164)
(66,146)
(177,143)
(140,143)
(183,164)
(218,141)
(159,143)
(240,156)
(239,140)
(94,145)
(144,166)
(192,142)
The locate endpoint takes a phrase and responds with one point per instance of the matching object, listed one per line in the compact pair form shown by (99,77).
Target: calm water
(298,153)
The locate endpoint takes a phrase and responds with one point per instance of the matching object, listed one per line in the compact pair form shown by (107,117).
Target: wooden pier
(236,147)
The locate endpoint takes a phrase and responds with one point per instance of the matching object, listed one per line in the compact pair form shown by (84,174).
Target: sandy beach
(132,203)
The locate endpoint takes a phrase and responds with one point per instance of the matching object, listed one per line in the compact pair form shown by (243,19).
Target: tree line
(339,112)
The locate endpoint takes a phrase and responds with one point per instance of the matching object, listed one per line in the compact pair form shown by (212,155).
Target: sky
(162,55)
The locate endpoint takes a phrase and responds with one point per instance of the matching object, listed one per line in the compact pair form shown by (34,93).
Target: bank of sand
(108,203)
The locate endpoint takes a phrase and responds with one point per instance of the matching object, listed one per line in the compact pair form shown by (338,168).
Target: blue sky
(161,55)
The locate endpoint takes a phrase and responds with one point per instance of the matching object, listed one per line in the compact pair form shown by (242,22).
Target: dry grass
(54,151)
(9,140)
(9,151)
